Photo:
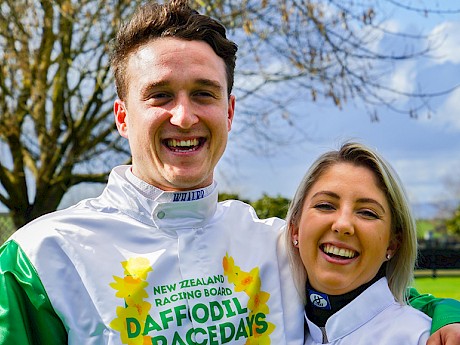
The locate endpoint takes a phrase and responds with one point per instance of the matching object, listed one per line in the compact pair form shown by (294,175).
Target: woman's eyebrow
(372,201)
(360,200)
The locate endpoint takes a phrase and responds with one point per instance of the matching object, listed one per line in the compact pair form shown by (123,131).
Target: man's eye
(158,98)
(204,94)
(159,95)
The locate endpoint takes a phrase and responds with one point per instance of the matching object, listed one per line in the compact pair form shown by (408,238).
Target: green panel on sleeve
(26,313)
(443,311)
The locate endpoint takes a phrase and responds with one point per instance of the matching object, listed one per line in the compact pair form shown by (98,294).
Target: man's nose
(183,115)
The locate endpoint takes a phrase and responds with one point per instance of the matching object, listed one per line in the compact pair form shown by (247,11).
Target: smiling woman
(352,244)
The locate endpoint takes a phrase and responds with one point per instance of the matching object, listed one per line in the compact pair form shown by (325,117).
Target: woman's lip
(335,259)
(339,245)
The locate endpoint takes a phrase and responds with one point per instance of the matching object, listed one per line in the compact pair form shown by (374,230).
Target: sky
(424,151)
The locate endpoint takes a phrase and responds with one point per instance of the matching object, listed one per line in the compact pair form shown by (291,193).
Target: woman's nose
(344,223)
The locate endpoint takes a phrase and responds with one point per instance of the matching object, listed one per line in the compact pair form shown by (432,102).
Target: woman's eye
(324,207)
(369,214)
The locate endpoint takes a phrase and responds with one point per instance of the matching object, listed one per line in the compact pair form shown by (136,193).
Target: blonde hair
(399,269)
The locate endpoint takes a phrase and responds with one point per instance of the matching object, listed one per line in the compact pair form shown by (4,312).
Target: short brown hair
(172,19)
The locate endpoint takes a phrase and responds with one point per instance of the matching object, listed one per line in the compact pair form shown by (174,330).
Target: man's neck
(157,194)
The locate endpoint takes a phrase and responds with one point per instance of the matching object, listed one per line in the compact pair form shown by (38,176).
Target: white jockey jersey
(125,268)
(373,317)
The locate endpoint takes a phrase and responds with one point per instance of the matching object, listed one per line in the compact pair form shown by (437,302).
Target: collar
(321,306)
(160,195)
(356,313)
(158,208)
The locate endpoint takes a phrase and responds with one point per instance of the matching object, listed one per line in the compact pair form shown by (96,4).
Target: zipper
(323,331)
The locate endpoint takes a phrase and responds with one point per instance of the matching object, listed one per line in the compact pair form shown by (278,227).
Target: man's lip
(183,144)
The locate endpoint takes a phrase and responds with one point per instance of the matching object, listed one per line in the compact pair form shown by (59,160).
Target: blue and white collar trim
(158,195)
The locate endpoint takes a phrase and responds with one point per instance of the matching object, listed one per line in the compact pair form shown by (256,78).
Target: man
(155,259)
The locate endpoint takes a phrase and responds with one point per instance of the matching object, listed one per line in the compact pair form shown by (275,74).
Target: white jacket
(373,318)
(123,269)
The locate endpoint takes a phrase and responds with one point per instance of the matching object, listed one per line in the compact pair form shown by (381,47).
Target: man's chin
(189,181)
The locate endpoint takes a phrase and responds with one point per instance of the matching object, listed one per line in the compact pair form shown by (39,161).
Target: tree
(292,51)
(231,196)
(267,206)
(450,211)
(453,224)
(56,92)
(55,100)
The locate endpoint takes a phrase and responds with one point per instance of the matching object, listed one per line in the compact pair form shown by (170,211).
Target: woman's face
(345,229)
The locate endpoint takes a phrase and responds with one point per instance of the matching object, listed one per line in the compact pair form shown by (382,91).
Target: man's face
(177,113)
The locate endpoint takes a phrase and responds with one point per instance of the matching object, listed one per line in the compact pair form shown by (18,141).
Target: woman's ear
(393,246)
(294,235)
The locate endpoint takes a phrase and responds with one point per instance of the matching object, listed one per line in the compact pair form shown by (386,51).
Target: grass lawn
(440,287)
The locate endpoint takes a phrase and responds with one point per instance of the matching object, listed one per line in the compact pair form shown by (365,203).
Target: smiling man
(176,113)
(156,259)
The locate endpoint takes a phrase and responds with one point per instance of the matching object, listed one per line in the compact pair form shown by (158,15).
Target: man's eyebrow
(200,82)
(153,85)
(209,82)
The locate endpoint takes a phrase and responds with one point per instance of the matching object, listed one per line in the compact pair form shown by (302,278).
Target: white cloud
(422,178)
(447,115)
(446,40)
(403,77)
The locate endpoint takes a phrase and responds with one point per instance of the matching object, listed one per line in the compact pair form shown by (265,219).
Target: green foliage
(6,227)
(423,226)
(232,196)
(267,206)
(453,224)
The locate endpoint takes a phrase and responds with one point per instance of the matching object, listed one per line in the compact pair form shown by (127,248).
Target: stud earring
(388,256)
(295,243)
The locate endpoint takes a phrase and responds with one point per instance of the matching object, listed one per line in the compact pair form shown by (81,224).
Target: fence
(439,258)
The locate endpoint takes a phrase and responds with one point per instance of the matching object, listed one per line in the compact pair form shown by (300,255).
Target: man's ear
(230,112)
(121,117)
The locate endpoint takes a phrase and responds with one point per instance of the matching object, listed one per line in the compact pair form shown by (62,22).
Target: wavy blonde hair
(400,269)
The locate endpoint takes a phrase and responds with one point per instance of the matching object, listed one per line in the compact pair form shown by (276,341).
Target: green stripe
(443,311)
(26,314)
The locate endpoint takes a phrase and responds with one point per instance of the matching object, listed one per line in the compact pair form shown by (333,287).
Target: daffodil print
(250,283)
(132,289)
(137,267)
(258,302)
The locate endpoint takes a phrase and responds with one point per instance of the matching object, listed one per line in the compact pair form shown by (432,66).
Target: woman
(350,226)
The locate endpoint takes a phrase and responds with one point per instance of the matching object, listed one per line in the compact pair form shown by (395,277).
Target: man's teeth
(347,253)
(182,143)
